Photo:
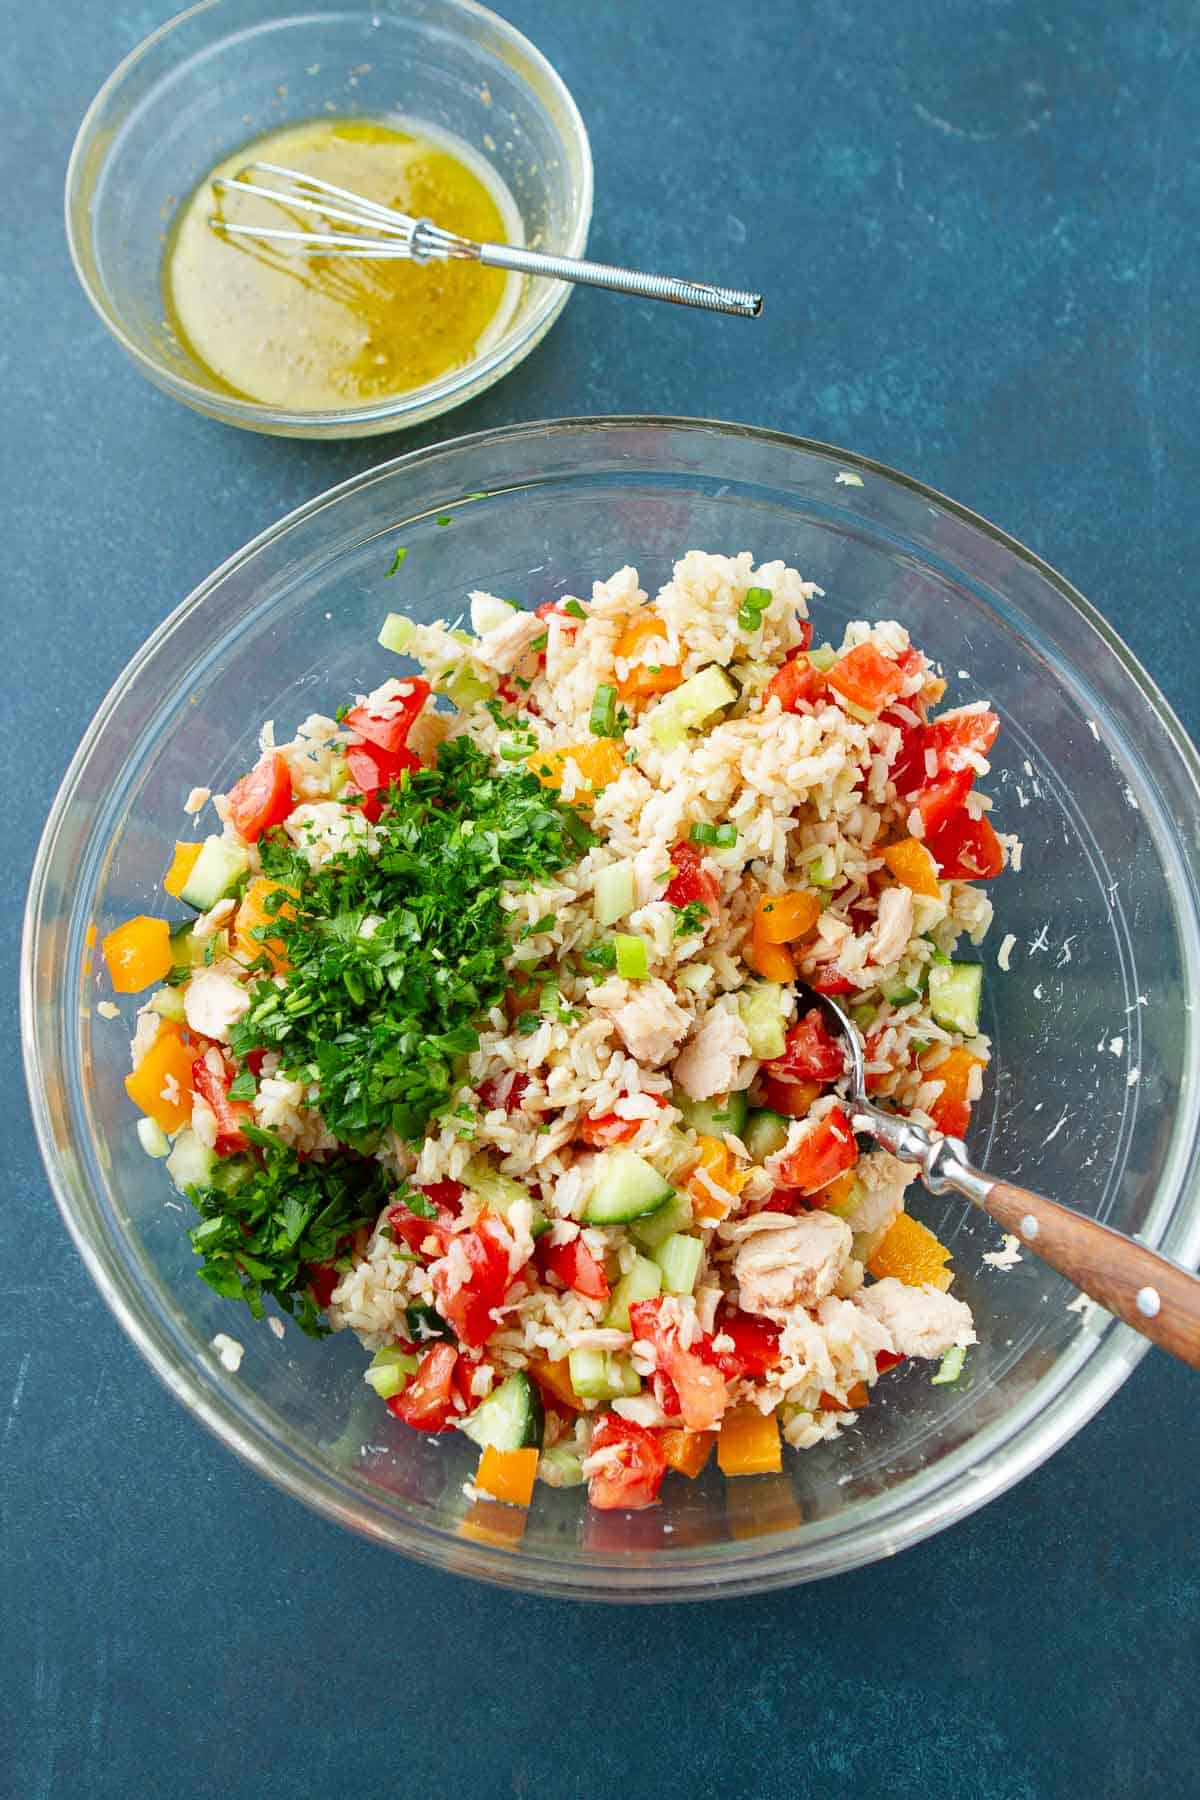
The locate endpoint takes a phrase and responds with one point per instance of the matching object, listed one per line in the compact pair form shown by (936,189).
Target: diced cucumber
(697,978)
(167,1002)
(615,892)
(153,1138)
(465,688)
(510,1419)
(599,1375)
(633,962)
(674,1155)
(823,658)
(390,1369)
(626,1188)
(487,612)
(765,1133)
(724,1112)
(863,1015)
(950,1367)
(898,992)
(823,869)
(690,706)
(675,1216)
(955,992)
(397,633)
(500,1192)
(643,1282)
(679,1258)
(425,1323)
(761,1006)
(842,1208)
(215,873)
(561,1467)
(229,1172)
(190,1163)
(187,951)
(927,913)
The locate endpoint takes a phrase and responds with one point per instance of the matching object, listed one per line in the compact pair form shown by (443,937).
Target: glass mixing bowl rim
(1087,1373)
(509,349)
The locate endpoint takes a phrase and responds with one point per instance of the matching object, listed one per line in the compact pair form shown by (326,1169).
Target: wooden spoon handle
(1155,1296)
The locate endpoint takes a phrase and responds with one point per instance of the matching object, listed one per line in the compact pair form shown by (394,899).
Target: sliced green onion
(950,1367)
(632,961)
(603,719)
(573,607)
(540,641)
(726,837)
(703,833)
(397,560)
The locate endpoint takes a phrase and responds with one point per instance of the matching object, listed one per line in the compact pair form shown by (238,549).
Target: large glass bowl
(225,72)
(1092,1095)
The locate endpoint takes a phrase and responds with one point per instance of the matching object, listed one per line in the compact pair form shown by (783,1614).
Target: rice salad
(483,1040)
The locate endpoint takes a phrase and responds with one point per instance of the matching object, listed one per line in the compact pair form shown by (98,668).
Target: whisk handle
(703,294)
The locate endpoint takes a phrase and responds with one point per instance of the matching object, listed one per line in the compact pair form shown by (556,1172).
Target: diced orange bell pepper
(772,961)
(642,681)
(687,1451)
(912,1254)
(507,1475)
(487,1523)
(720,1165)
(951,1111)
(748,1443)
(912,865)
(783,918)
(857,1397)
(253,914)
(599,762)
(838,1196)
(182,864)
(555,1378)
(89,936)
(137,954)
(161,1085)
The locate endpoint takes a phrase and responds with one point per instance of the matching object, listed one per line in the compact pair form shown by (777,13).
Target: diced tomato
(609,1130)
(468,1310)
(371,768)
(633,1477)
(938,801)
(866,678)
(966,849)
(427,1403)
(887,1359)
(826,1148)
(755,1345)
(791,1098)
(412,1230)
(796,684)
(262,798)
(908,766)
(952,735)
(494,1093)
(389,726)
(698,1389)
(828,979)
(810,1053)
(322,1279)
(556,609)
(575,1267)
(691,881)
(230,1115)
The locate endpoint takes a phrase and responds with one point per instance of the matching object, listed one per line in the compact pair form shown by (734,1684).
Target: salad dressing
(317,333)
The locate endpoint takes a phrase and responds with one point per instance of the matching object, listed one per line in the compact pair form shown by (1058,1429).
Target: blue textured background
(976,228)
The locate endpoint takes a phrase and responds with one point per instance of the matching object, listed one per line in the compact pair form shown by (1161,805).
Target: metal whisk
(380,232)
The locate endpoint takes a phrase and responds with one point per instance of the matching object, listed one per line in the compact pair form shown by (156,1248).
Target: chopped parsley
(690,919)
(397,560)
(443,519)
(573,607)
(243,1086)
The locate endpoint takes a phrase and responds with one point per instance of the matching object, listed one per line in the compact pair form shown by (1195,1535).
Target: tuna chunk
(893,927)
(923,1321)
(212,1000)
(709,1064)
(647,1015)
(882,1180)
(790,1262)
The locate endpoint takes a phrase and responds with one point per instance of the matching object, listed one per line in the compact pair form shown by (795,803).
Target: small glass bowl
(1093,1094)
(229,70)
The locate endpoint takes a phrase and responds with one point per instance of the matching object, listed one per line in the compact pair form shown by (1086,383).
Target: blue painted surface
(976,228)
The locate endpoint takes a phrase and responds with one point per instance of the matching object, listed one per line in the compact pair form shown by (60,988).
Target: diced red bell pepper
(575,1267)
(966,849)
(427,1403)
(827,978)
(887,1359)
(388,726)
(491,1090)
(755,1345)
(696,1387)
(633,1477)
(810,1053)
(691,881)
(866,678)
(796,684)
(262,798)
(468,1309)
(230,1115)
(826,1149)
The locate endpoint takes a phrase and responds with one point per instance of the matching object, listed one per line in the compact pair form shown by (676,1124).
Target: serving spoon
(1157,1297)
